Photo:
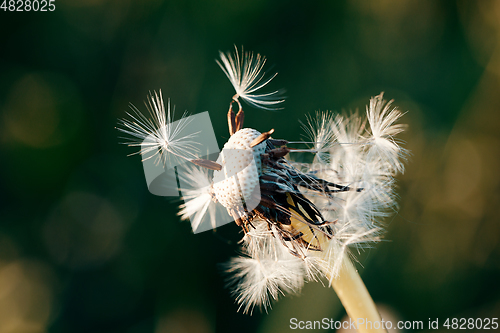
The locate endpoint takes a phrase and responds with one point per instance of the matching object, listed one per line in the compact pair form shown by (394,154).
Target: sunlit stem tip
(262,137)
(235,122)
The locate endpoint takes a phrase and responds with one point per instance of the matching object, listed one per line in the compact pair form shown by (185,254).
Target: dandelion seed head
(310,219)
(307,217)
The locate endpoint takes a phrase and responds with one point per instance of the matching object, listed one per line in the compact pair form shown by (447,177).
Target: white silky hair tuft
(158,136)
(246,74)
(264,271)
(197,196)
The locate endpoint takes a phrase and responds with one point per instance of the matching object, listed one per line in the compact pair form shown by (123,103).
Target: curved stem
(355,298)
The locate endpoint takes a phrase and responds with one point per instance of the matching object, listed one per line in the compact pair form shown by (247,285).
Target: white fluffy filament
(247,77)
(158,136)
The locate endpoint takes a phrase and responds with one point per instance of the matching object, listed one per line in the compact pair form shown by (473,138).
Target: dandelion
(301,221)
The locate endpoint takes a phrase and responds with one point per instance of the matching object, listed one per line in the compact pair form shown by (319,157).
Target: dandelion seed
(246,76)
(319,132)
(197,198)
(383,127)
(158,137)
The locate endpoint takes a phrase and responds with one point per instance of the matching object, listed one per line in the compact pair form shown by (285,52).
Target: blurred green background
(84,247)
